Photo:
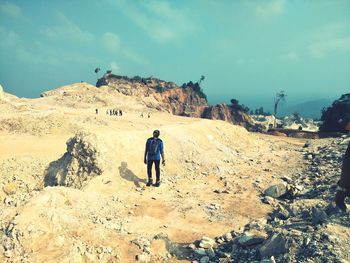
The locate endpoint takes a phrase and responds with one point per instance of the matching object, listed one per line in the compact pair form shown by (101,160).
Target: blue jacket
(160,149)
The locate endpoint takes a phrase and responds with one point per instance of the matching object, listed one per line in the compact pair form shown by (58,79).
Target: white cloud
(8,37)
(12,10)
(290,56)
(329,39)
(322,48)
(35,58)
(67,30)
(111,41)
(162,22)
(270,8)
(115,67)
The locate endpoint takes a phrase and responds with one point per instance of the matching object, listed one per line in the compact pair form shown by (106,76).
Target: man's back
(154,147)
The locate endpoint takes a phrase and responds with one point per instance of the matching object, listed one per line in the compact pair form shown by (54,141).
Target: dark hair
(156,133)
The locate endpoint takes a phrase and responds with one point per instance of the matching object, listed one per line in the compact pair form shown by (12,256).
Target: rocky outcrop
(158,94)
(227,113)
(187,100)
(337,115)
(79,164)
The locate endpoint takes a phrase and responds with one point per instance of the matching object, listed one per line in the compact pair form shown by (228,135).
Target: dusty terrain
(212,183)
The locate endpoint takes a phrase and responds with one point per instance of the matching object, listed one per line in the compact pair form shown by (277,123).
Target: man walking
(154,149)
(344,183)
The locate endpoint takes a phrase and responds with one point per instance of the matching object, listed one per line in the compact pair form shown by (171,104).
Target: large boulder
(83,160)
(337,115)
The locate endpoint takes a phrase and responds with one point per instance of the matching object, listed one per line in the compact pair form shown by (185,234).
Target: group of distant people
(148,115)
(115,112)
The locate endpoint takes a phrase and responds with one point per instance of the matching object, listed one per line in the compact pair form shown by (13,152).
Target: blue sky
(247,50)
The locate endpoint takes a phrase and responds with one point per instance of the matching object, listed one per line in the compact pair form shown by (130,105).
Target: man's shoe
(149,183)
(339,200)
(157,184)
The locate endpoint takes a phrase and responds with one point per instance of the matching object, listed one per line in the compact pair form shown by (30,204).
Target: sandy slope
(99,222)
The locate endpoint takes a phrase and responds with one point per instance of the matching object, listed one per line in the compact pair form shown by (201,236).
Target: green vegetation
(260,111)
(159,89)
(196,88)
(238,107)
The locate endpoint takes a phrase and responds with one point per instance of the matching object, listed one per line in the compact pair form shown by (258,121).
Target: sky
(247,50)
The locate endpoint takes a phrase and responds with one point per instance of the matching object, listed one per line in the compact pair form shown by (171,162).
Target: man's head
(156,133)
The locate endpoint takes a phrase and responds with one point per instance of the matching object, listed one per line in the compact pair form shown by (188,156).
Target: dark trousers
(149,169)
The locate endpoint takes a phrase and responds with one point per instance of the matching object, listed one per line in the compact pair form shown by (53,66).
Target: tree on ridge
(280,96)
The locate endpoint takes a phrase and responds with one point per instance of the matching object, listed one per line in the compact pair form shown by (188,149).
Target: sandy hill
(72,182)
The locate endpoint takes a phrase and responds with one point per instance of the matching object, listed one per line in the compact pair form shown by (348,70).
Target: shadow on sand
(127,174)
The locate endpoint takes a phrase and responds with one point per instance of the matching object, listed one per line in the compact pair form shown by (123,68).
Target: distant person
(107,111)
(343,190)
(141,115)
(154,149)
(120,113)
(149,115)
(96,110)
(110,112)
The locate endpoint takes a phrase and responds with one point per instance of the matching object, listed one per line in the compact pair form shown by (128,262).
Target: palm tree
(96,71)
(201,79)
(280,96)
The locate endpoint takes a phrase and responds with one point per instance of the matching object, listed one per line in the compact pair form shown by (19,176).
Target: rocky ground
(72,187)
(304,226)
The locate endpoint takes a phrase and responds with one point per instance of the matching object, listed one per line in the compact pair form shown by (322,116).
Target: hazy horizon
(246,50)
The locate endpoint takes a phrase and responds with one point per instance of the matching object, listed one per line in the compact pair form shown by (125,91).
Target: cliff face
(167,96)
(158,94)
(336,116)
(227,113)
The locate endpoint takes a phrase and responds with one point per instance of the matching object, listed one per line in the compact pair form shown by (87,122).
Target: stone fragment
(252,237)
(276,190)
(274,246)
(143,258)
(207,242)
(210,252)
(200,252)
(205,259)
(268,260)
(318,216)
(10,188)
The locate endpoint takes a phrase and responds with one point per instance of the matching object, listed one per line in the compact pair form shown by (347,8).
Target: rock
(276,190)
(143,258)
(8,253)
(274,246)
(207,242)
(252,237)
(269,200)
(205,259)
(210,252)
(192,246)
(268,260)
(84,159)
(283,213)
(318,216)
(10,188)
(200,252)
(228,236)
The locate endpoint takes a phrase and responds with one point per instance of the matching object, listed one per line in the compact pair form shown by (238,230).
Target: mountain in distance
(309,109)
